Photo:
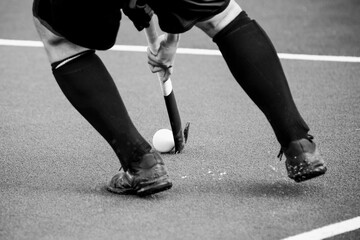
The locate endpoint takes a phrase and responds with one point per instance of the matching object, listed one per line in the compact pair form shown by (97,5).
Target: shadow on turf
(240,188)
(249,188)
(101,190)
(275,189)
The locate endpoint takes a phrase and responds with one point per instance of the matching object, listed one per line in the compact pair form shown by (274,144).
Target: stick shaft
(168,92)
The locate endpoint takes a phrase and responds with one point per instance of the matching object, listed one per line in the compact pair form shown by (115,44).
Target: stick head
(181,144)
(186,131)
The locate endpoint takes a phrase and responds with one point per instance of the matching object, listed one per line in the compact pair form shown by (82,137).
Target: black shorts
(94,24)
(87,23)
(178,16)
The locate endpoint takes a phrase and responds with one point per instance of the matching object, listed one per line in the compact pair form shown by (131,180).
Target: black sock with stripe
(89,87)
(253,61)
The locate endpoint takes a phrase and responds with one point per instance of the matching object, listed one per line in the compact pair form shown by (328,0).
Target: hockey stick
(180,137)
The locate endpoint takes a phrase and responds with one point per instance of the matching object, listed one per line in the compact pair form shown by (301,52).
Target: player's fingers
(154,62)
(163,73)
(155,69)
(153,58)
(150,53)
(158,64)
(166,75)
(170,70)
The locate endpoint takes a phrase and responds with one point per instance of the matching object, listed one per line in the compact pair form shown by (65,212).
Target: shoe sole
(307,174)
(154,188)
(311,166)
(144,190)
(121,192)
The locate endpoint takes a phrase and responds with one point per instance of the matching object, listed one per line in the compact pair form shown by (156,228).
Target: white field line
(193,51)
(329,230)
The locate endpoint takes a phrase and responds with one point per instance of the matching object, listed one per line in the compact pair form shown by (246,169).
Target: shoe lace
(281,152)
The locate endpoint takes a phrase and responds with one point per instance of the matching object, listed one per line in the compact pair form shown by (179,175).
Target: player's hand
(163,60)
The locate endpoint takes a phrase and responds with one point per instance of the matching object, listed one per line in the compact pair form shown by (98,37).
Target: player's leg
(89,87)
(255,65)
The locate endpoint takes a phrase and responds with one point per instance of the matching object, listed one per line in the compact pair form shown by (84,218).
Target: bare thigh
(57,47)
(215,24)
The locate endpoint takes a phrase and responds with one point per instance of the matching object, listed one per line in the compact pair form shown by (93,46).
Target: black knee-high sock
(254,63)
(91,90)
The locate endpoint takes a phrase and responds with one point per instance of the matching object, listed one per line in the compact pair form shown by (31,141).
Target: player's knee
(59,48)
(47,36)
(215,24)
(72,58)
(56,46)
